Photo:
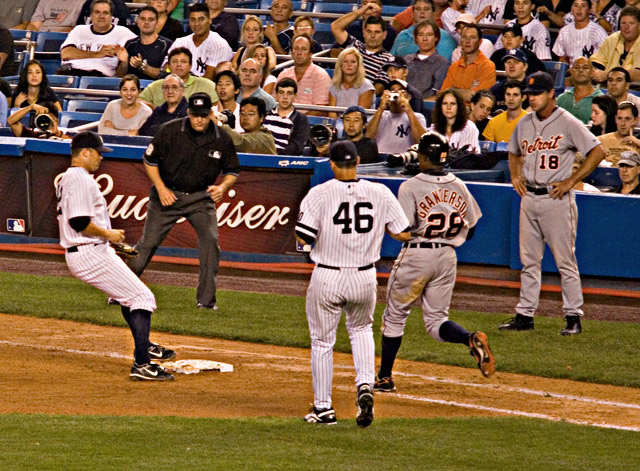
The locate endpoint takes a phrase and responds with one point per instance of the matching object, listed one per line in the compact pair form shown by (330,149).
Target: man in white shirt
(97,49)
(395,126)
(55,15)
(580,38)
(207,47)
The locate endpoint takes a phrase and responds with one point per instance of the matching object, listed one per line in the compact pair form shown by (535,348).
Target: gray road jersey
(439,208)
(549,147)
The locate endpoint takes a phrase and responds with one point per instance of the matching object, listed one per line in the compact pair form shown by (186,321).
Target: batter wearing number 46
(442,215)
(345,218)
(541,154)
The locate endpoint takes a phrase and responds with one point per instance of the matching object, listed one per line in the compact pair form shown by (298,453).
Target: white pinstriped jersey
(574,43)
(549,147)
(449,18)
(494,16)
(79,195)
(211,51)
(347,219)
(440,208)
(535,37)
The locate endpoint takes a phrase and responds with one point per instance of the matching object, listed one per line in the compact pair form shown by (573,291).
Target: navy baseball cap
(516,54)
(200,104)
(356,109)
(89,140)
(514,27)
(398,62)
(538,83)
(403,83)
(343,151)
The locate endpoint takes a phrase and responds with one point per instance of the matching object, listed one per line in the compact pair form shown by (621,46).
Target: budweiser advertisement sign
(257,215)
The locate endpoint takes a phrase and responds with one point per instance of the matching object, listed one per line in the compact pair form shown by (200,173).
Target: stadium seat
(51,61)
(329,7)
(91,106)
(501,146)
(67,81)
(313,120)
(100,83)
(323,33)
(71,119)
(487,146)
(18,34)
(557,70)
(392,10)
(49,41)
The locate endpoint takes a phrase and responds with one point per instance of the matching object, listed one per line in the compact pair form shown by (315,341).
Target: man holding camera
(45,122)
(401,127)
(255,139)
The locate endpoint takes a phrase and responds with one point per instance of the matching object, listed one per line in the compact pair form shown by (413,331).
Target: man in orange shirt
(473,71)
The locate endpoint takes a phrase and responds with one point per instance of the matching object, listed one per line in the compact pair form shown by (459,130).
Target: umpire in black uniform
(183,161)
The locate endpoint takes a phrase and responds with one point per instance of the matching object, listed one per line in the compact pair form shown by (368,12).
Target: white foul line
(397,395)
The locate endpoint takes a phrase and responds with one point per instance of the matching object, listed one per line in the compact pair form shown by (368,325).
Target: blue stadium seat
(487,146)
(501,146)
(91,106)
(329,7)
(71,119)
(67,81)
(313,120)
(19,34)
(49,41)
(323,33)
(100,83)
(392,10)
(557,70)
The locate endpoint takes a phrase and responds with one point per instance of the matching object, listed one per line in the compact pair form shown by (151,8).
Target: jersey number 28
(439,225)
(360,221)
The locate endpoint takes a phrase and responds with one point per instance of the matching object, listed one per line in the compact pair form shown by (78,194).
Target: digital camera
(322,134)
(43,123)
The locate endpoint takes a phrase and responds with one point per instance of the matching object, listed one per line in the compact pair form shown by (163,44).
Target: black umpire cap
(200,104)
(343,151)
(89,140)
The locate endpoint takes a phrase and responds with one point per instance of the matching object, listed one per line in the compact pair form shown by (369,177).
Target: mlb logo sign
(15,225)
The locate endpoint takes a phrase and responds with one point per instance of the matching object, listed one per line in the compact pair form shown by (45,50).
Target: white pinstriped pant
(99,266)
(330,292)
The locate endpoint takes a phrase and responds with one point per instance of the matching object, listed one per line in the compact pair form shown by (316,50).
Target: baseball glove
(124,250)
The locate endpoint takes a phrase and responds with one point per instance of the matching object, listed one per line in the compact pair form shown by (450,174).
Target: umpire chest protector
(188,160)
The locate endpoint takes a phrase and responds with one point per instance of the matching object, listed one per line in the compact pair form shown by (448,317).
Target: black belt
(329,267)
(74,248)
(537,190)
(424,245)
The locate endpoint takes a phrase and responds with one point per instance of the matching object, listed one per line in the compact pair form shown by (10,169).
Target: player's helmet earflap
(435,147)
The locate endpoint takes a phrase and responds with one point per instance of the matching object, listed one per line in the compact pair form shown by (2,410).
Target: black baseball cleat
(202,306)
(384,384)
(160,353)
(321,416)
(519,322)
(149,372)
(573,326)
(364,402)
(479,349)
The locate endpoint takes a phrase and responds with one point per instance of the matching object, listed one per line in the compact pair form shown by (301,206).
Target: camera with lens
(322,134)
(394,96)
(43,123)
(403,158)
(225,117)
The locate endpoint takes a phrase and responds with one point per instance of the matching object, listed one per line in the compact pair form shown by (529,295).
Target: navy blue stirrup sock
(390,347)
(140,324)
(453,333)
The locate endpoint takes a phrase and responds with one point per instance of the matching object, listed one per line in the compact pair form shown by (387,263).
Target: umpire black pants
(200,211)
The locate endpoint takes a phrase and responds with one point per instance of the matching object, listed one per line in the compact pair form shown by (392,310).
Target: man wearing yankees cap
(85,234)
(345,219)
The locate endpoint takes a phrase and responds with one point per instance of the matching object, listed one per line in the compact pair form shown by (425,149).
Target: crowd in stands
(437,65)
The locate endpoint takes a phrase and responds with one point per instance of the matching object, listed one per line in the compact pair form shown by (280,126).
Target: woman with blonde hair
(260,52)
(349,85)
(252,34)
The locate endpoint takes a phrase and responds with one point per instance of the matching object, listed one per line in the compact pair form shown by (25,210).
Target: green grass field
(606,353)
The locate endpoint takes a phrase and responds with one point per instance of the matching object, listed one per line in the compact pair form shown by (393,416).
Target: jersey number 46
(356,219)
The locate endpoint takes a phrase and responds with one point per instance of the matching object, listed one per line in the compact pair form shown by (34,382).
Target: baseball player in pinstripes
(541,154)
(85,233)
(346,219)
(442,215)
